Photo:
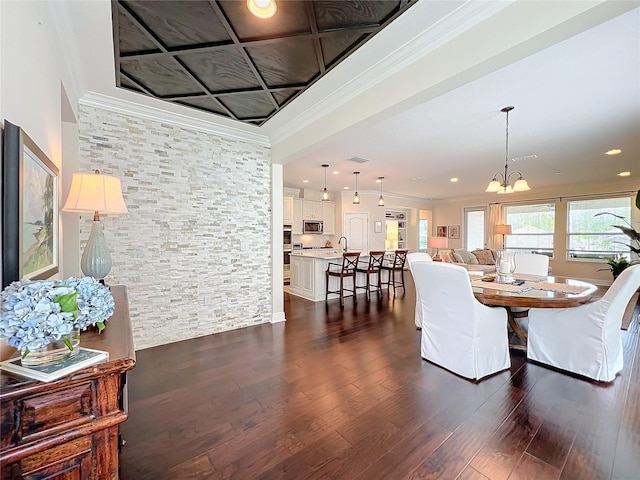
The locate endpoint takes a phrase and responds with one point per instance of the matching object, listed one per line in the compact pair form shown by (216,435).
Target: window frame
(597,256)
(466,210)
(542,251)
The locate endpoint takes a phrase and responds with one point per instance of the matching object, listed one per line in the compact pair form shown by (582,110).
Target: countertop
(326,253)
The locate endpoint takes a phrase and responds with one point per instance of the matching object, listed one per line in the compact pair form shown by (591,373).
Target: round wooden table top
(536,298)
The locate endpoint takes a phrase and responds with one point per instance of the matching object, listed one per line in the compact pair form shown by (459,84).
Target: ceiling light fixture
(614,151)
(262,8)
(325,193)
(624,174)
(503,185)
(453,180)
(356,197)
(381,199)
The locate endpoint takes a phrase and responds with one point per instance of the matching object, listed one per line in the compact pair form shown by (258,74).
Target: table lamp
(101,195)
(437,243)
(503,230)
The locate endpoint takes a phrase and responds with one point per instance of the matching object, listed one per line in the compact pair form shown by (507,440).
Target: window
(423,228)
(594,237)
(474,222)
(532,228)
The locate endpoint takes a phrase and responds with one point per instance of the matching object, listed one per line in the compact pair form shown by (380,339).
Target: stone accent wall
(192,198)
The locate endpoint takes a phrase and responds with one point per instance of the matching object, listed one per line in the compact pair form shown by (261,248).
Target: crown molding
(344,86)
(98,100)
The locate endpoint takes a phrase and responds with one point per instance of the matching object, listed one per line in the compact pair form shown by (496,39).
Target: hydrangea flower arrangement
(35,313)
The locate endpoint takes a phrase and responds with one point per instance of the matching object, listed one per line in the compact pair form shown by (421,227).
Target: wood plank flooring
(343,394)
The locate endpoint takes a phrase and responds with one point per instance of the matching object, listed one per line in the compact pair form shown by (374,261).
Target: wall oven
(287,253)
(287,237)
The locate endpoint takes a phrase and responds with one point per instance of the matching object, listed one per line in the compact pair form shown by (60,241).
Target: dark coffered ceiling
(216,56)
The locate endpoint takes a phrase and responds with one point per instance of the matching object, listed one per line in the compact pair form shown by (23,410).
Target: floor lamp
(437,243)
(100,195)
(503,230)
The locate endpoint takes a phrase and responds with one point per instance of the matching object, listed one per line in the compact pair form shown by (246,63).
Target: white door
(356,229)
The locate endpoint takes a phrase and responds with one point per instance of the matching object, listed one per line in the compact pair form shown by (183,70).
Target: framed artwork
(454,231)
(30,209)
(377,228)
(441,231)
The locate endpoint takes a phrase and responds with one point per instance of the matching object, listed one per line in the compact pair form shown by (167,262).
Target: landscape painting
(38,228)
(29,209)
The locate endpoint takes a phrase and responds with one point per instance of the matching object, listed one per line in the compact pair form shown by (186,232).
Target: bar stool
(345,270)
(373,267)
(397,265)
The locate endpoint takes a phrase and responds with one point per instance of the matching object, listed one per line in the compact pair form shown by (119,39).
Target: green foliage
(616,265)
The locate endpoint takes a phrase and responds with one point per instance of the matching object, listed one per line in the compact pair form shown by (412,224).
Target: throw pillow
(485,257)
(467,257)
(457,257)
(448,257)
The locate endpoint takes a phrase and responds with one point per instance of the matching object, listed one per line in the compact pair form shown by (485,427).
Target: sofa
(481,260)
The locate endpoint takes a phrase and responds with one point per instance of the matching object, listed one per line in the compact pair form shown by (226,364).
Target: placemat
(560,287)
(528,278)
(505,287)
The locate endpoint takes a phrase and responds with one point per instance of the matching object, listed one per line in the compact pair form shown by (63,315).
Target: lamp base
(96,260)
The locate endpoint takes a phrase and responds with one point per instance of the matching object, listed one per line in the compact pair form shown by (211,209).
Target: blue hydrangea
(35,313)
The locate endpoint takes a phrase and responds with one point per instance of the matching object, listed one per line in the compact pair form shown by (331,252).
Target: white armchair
(458,332)
(418,257)
(585,339)
(532,264)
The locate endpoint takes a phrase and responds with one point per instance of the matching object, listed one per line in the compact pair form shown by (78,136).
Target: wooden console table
(68,428)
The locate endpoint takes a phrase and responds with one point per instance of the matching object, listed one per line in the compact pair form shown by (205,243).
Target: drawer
(66,408)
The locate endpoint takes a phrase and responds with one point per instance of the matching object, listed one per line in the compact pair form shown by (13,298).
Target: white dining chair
(532,264)
(411,258)
(585,339)
(458,332)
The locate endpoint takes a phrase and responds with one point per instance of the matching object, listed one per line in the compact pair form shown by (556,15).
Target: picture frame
(30,221)
(441,231)
(377,226)
(454,231)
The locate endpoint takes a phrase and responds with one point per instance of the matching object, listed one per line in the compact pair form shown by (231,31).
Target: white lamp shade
(521,185)
(503,229)
(91,192)
(494,186)
(437,242)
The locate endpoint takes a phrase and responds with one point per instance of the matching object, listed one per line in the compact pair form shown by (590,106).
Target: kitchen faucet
(345,242)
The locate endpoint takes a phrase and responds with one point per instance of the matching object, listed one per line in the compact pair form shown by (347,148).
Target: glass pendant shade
(356,196)
(381,199)
(521,185)
(493,187)
(325,192)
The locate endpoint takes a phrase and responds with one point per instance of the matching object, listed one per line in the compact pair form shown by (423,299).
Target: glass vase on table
(66,347)
(505,266)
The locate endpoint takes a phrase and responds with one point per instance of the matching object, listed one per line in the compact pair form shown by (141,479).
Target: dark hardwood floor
(343,394)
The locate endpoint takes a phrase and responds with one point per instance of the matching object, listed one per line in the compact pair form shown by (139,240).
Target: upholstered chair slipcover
(458,332)
(532,264)
(585,339)
(418,257)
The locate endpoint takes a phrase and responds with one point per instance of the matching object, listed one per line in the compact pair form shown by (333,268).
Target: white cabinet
(287,210)
(307,276)
(295,280)
(329,217)
(304,277)
(296,221)
(311,210)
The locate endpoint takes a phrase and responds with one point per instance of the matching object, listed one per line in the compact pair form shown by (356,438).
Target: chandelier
(501,181)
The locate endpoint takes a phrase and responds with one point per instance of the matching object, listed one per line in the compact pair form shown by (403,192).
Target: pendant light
(356,197)
(325,193)
(500,182)
(381,199)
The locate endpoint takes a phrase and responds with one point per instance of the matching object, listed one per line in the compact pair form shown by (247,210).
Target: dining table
(529,291)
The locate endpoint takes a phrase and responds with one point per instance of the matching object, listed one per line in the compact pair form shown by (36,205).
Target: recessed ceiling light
(415,179)
(305,181)
(335,172)
(453,180)
(559,173)
(345,188)
(624,174)
(614,151)
(378,180)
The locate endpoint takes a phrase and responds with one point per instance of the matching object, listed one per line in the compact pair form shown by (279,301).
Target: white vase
(55,351)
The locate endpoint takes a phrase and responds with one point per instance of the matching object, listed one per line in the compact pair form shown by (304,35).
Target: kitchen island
(308,269)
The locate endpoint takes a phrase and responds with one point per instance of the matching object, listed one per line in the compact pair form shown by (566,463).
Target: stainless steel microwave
(312,226)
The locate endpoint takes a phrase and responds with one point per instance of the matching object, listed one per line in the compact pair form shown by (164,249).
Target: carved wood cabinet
(68,428)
